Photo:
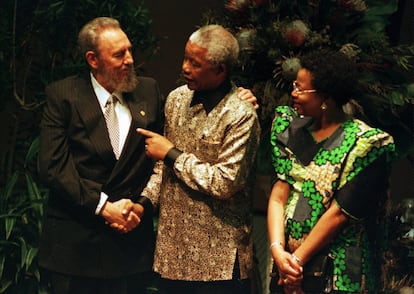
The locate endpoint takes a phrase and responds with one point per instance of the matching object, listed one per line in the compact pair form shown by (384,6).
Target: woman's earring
(324,106)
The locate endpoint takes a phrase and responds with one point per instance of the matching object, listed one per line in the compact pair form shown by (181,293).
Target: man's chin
(192,86)
(129,85)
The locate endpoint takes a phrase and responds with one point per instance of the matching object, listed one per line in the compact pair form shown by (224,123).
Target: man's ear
(221,68)
(92,59)
(221,71)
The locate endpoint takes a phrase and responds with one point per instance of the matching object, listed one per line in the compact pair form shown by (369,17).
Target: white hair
(222,46)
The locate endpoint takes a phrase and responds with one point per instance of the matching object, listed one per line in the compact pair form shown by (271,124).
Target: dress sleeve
(364,180)
(280,154)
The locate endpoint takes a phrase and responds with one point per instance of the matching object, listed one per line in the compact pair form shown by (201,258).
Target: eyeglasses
(300,92)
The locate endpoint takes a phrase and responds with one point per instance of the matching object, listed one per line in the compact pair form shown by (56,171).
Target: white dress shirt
(124,119)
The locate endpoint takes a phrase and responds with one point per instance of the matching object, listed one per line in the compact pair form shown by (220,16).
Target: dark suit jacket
(76,163)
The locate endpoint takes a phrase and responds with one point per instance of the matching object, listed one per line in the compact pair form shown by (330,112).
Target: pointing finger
(145,132)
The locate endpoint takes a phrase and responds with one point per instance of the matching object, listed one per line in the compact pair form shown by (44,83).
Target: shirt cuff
(171,156)
(101,203)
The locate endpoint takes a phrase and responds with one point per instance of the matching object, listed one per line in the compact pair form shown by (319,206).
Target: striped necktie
(112,123)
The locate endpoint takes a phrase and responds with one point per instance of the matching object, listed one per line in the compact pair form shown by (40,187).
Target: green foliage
(21,210)
(273,34)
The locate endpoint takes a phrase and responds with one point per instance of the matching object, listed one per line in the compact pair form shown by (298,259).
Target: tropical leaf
(9,223)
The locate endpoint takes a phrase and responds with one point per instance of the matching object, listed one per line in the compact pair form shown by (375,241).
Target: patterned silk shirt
(205,218)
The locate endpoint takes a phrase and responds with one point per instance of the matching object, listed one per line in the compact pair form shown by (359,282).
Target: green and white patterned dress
(351,167)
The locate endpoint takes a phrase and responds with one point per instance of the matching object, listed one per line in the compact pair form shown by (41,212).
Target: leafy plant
(21,210)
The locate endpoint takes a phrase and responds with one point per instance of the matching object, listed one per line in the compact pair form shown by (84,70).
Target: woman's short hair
(222,47)
(333,74)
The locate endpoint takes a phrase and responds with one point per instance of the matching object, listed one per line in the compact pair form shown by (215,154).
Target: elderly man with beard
(91,176)
(95,165)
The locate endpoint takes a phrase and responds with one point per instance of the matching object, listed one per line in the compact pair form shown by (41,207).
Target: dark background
(175,21)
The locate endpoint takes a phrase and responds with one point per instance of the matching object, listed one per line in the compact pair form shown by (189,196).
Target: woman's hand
(290,271)
(247,94)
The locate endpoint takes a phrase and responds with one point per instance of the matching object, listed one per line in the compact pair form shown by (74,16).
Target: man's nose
(128,58)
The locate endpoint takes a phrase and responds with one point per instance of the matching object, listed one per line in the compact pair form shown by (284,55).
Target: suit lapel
(90,113)
(138,109)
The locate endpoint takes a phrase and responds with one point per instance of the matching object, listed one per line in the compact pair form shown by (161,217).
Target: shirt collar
(210,98)
(102,94)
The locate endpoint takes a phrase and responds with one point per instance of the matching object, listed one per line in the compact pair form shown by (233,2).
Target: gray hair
(221,45)
(89,34)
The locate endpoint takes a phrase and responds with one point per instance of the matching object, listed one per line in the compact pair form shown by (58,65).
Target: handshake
(122,215)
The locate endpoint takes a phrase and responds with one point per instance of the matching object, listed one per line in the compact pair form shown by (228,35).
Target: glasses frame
(300,92)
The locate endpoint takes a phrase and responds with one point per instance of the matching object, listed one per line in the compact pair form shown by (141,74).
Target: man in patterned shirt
(202,179)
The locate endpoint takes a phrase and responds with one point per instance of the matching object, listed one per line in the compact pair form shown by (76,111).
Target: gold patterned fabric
(205,217)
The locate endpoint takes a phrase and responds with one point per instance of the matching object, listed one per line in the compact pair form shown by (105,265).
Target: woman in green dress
(331,181)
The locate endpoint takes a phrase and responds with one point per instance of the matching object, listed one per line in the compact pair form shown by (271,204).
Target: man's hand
(156,146)
(120,216)
(246,94)
(138,209)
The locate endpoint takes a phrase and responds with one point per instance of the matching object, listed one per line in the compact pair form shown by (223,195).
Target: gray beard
(127,85)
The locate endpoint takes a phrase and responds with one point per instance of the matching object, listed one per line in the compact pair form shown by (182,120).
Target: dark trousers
(67,284)
(234,286)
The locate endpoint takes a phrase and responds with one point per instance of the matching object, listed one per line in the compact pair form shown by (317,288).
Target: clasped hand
(122,215)
(290,272)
